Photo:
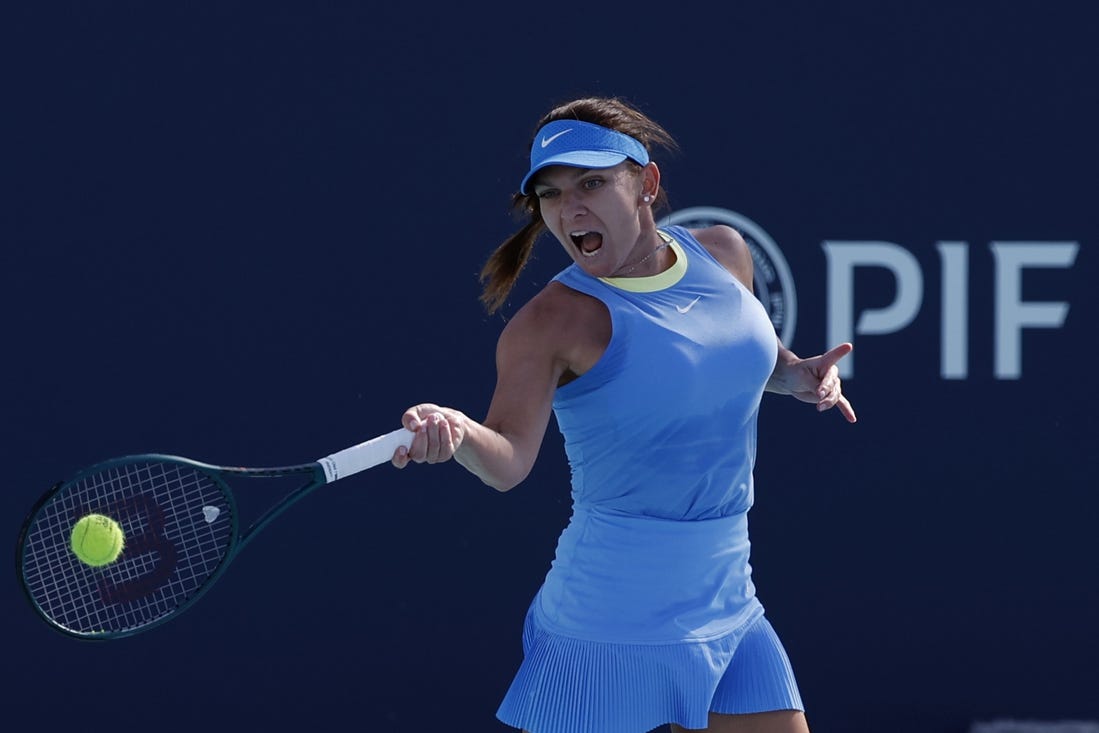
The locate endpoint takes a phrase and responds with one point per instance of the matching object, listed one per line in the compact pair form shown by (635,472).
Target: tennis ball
(97,540)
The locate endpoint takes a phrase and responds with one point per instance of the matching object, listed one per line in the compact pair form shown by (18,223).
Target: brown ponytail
(507,261)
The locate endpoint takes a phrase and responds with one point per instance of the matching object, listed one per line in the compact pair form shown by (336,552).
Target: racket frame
(317,473)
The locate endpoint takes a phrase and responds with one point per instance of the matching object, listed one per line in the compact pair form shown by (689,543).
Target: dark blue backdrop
(250,234)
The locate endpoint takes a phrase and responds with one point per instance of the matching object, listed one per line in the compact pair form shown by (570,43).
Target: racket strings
(178,522)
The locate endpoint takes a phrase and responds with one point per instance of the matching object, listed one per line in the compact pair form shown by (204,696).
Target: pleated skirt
(569,685)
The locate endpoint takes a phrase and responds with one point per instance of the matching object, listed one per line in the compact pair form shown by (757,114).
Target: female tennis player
(653,355)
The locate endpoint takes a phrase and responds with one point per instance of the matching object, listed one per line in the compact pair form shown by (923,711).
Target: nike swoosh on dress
(685,308)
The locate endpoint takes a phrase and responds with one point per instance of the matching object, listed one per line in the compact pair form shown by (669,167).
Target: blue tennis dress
(650,594)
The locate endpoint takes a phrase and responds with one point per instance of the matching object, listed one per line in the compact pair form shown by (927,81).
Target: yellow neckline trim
(659,281)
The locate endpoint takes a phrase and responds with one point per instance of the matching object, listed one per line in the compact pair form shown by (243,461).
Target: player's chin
(596,264)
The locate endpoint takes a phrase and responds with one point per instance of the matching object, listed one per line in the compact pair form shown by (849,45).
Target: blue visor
(581,145)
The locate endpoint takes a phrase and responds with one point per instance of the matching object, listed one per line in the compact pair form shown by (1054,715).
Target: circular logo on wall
(773,284)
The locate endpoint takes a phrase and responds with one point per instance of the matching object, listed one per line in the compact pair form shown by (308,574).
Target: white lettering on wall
(1012,314)
(843,258)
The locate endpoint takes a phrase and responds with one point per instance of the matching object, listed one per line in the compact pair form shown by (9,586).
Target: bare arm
(535,349)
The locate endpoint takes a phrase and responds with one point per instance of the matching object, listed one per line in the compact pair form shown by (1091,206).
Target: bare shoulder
(534,356)
(548,311)
(729,248)
(559,325)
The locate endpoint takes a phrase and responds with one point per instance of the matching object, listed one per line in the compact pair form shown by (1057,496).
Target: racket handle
(364,455)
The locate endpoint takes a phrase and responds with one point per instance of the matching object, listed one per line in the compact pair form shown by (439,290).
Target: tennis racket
(181,528)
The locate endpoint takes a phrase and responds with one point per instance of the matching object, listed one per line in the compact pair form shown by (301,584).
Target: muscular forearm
(492,457)
(779,381)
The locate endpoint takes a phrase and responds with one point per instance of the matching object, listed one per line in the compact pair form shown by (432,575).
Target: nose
(572,204)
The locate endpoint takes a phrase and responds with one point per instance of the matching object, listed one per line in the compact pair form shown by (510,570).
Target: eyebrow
(539,179)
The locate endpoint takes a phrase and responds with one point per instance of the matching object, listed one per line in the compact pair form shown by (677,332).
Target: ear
(650,183)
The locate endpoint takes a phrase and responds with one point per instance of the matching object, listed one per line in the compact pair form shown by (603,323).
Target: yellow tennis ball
(97,540)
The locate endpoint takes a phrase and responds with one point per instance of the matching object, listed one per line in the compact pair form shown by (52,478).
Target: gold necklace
(643,260)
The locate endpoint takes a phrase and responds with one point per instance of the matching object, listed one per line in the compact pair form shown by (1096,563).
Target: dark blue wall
(250,235)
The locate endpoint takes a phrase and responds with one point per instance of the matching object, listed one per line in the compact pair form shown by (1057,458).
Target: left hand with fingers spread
(814,380)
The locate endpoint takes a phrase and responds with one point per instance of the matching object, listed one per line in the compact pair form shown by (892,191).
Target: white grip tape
(364,455)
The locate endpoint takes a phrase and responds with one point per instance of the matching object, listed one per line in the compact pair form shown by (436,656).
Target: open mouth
(589,243)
